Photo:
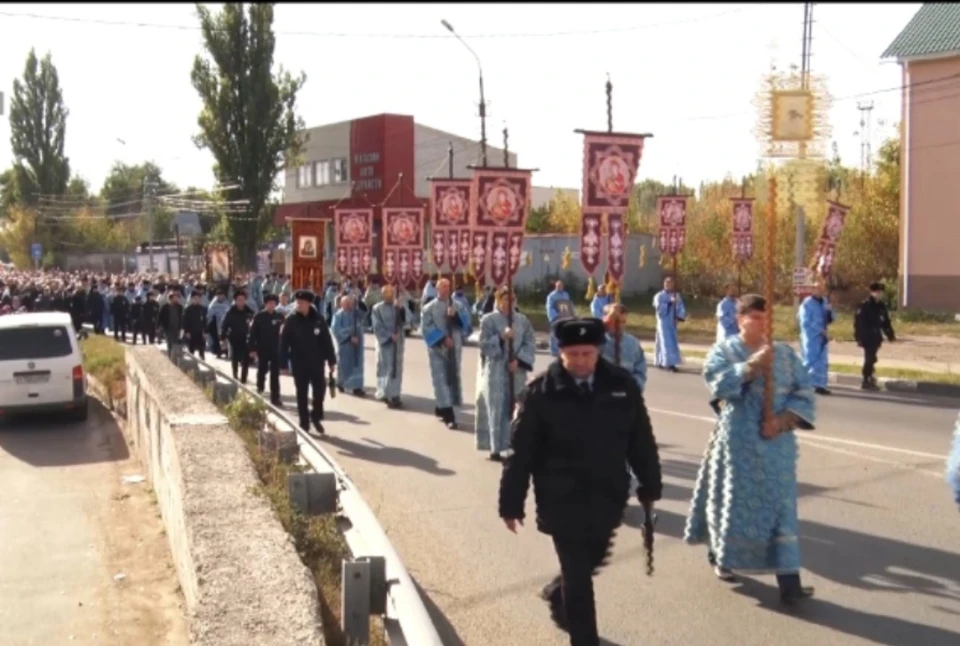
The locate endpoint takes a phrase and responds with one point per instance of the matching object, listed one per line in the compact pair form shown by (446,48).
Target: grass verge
(318,540)
(105,359)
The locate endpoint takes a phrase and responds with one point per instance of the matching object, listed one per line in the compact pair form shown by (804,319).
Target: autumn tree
(38,123)
(122,195)
(249,121)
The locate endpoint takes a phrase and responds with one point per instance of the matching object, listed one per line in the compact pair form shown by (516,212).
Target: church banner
(742,228)
(307,237)
(450,221)
(354,241)
(403,245)
(591,249)
(829,237)
(499,208)
(673,223)
(616,240)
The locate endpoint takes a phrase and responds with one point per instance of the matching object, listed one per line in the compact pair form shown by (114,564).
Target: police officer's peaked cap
(580,331)
(270,297)
(304,295)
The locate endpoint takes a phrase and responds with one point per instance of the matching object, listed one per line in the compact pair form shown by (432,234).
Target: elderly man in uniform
(507,352)
(579,482)
(347,328)
(305,345)
(388,319)
(444,325)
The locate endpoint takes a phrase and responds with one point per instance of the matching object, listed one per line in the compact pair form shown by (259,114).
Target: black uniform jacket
(576,447)
(871,323)
(236,323)
(194,320)
(306,341)
(265,333)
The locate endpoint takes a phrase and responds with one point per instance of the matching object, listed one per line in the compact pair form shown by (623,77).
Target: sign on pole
(802,281)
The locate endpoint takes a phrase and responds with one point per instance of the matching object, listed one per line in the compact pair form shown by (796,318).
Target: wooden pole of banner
(743,196)
(615,284)
(510,353)
(769,293)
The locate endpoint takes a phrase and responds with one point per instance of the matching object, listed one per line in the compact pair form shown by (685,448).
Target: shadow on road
(427,406)
(373,451)
(877,629)
(448,634)
(56,441)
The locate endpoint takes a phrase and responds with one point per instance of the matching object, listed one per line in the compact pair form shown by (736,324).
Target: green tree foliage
(38,123)
(248,121)
(122,195)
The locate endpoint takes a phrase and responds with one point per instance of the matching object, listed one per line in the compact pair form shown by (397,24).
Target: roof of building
(933,31)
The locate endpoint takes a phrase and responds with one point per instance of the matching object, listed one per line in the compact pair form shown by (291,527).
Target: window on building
(340,171)
(303,176)
(322,177)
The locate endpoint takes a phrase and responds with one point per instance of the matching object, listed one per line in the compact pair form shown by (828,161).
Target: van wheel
(80,414)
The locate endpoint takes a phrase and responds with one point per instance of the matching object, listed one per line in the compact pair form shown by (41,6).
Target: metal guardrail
(406,619)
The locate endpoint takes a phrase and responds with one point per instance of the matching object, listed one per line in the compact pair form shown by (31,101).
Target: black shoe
(673,369)
(437,413)
(277,403)
(259,390)
(822,391)
(495,457)
(793,595)
(392,403)
(359,392)
(869,385)
(397,403)
(318,427)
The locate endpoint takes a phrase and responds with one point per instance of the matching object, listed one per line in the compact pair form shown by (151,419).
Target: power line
(423,36)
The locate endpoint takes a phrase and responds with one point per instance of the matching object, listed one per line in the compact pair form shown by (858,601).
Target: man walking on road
(575,427)
(264,344)
(306,345)
(870,325)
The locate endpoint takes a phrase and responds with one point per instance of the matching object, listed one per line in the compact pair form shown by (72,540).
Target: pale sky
(686,73)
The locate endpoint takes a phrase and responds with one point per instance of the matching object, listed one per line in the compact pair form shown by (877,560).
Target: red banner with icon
(742,237)
(498,211)
(829,237)
(673,223)
(403,245)
(616,243)
(450,221)
(353,233)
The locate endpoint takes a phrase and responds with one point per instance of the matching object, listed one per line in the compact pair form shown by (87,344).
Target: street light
(483,103)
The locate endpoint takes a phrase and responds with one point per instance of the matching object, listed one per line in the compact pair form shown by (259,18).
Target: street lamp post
(483,103)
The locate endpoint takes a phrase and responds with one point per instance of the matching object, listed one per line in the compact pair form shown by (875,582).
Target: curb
(98,390)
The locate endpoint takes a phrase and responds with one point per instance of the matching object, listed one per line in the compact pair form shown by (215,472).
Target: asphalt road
(879,528)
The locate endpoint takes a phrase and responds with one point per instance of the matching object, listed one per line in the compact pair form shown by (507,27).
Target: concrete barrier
(241,576)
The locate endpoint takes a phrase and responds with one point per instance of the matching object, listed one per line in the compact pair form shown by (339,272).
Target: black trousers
(265,364)
(303,381)
(869,360)
(572,592)
(197,343)
(215,338)
(119,329)
(145,332)
(239,357)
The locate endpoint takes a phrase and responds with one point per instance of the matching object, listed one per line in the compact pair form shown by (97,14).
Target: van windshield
(25,343)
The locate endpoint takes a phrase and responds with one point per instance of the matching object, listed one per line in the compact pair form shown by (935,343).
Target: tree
(38,123)
(122,194)
(249,121)
(538,220)
(564,213)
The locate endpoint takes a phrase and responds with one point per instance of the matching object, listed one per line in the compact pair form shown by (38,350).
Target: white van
(41,367)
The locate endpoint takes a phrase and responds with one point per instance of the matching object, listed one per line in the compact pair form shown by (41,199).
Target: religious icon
(741,217)
(613,176)
(308,247)
(792,112)
(834,224)
(500,204)
(452,206)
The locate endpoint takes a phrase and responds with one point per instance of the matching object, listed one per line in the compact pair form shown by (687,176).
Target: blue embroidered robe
(814,316)
(666,347)
(559,306)
(953,464)
(598,304)
(384,319)
(632,358)
(727,318)
(447,387)
(346,324)
(744,505)
(495,384)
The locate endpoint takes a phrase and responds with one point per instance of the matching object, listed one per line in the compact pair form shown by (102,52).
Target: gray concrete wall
(242,579)
(430,157)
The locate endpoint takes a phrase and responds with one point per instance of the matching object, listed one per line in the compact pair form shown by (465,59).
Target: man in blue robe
(388,319)
(953,463)
(429,292)
(670,310)
(600,302)
(444,325)
(507,352)
(347,329)
(814,317)
(727,315)
(559,307)
(622,345)
(744,505)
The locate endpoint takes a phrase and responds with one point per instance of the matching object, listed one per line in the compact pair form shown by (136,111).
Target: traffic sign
(36,251)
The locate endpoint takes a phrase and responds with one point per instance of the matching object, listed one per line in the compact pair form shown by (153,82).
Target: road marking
(870,458)
(817,437)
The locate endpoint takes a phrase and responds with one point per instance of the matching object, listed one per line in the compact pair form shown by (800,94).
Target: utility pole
(866,153)
(800,257)
(148,192)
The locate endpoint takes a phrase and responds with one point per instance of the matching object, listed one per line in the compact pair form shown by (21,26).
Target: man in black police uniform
(264,344)
(305,346)
(870,324)
(575,426)
(235,328)
(194,318)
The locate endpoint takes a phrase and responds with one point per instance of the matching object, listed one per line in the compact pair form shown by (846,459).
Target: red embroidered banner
(742,228)
(353,233)
(516,251)
(450,221)
(499,207)
(610,163)
(616,241)
(403,234)
(590,241)
(673,223)
(829,237)
(478,255)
